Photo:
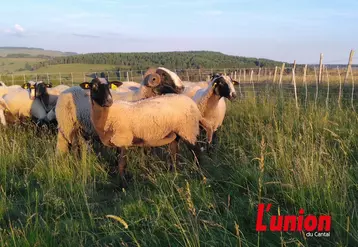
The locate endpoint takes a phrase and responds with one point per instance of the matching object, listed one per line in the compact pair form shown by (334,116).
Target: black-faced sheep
(73,107)
(32,100)
(149,122)
(211,103)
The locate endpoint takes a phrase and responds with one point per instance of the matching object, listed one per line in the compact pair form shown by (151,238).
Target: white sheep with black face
(73,106)
(149,122)
(32,100)
(211,102)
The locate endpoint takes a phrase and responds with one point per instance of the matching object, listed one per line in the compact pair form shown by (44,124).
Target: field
(268,152)
(9,65)
(4,51)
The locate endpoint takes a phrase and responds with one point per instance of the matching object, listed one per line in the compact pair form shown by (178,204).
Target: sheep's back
(19,104)
(155,118)
(73,111)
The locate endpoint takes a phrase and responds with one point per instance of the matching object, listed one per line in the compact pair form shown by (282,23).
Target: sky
(274,29)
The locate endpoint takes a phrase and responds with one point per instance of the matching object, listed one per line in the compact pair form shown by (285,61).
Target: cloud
(86,35)
(17,30)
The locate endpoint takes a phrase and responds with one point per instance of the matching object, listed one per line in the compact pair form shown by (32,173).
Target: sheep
(149,122)
(211,103)
(54,93)
(5,89)
(128,86)
(31,100)
(57,90)
(73,114)
(168,81)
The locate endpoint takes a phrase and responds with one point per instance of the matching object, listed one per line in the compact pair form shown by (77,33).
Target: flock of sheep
(160,110)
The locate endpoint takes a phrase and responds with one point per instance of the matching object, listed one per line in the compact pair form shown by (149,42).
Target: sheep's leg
(208,128)
(173,150)
(2,117)
(63,145)
(122,161)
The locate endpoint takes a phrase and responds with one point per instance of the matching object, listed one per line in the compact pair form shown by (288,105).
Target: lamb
(211,103)
(73,109)
(149,122)
(31,100)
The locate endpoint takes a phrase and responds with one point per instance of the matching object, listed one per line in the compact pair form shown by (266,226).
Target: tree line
(180,60)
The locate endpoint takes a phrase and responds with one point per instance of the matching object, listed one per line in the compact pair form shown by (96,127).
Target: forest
(178,60)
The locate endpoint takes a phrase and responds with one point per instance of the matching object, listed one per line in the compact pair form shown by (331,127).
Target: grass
(75,68)
(268,152)
(9,65)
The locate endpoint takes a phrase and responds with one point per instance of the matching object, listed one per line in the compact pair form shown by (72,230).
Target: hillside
(23,52)
(179,60)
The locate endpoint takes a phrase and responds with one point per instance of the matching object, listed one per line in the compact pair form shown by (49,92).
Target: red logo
(291,223)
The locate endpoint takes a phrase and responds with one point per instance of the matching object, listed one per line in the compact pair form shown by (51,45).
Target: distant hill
(178,60)
(22,52)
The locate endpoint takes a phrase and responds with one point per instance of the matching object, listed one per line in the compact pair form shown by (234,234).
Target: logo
(312,225)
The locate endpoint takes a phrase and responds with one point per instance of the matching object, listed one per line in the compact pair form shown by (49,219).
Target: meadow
(268,152)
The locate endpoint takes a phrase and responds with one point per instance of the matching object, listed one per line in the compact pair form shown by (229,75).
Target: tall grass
(268,152)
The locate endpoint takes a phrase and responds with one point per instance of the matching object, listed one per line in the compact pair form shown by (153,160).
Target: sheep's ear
(86,85)
(115,84)
(26,85)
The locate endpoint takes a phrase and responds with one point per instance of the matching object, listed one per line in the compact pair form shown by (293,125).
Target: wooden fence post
(340,87)
(72,78)
(253,85)
(36,77)
(294,69)
(108,76)
(320,68)
(12,79)
(187,75)
(305,83)
(294,86)
(258,75)
(327,78)
(235,74)
(352,100)
(141,72)
(281,73)
(315,73)
(84,77)
(351,55)
(48,78)
(244,75)
(224,71)
(24,78)
(60,77)
(127,76)
(275,75)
